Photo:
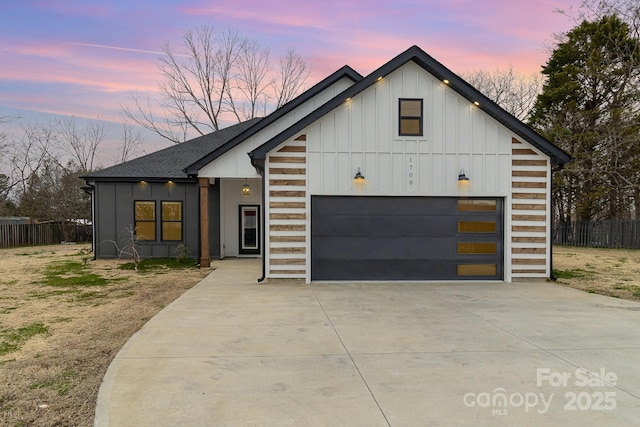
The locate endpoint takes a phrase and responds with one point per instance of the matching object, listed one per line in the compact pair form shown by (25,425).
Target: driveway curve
(231,352)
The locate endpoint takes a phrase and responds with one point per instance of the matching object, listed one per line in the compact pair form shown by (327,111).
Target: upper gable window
(410,114)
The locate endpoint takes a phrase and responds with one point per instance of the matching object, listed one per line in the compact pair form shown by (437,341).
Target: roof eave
(130,179)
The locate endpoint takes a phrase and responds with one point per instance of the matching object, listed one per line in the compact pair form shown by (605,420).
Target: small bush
(182,253)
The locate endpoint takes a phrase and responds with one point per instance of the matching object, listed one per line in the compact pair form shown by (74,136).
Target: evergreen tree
(589,107)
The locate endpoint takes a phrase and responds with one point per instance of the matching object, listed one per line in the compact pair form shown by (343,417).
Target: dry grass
(57,337)
(611,272)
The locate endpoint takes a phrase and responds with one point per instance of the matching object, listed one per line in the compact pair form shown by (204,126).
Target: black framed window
(410,117)
(172,221)
(145,219)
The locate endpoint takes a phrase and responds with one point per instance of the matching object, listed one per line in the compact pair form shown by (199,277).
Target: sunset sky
(86,57)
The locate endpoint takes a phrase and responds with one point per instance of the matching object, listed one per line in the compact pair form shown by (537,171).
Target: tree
(589,107)
(131,144)
(3,135)
(291,77)
(217,77)
(25,156)
(81,145)
(7,206)
(54,194)
(515,93)
(40,169)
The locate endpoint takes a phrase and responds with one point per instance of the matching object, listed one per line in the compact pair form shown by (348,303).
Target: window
(171,220)
(145,219)
(477,269)
(477,247)
(477,227)
(410,117)
(476,205)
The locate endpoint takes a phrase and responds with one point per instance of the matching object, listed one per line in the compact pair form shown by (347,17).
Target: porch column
(203,183)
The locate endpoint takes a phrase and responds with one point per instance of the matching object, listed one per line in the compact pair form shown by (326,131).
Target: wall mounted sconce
(462,176)
(246,190)
(463,182)
(359,176)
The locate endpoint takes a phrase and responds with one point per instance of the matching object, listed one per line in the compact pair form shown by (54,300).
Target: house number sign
(411,172)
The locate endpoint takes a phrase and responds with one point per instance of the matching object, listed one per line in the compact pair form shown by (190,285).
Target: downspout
(259,165)
(90,189)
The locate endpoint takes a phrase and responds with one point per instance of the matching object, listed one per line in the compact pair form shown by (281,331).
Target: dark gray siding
(114,210)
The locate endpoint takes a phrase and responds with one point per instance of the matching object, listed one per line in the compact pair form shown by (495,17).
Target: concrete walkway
(231,352)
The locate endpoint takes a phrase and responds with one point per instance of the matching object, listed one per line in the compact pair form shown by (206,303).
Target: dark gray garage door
(406,238)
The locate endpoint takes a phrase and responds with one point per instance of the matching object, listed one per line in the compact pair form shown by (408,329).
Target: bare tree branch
(515,93)
(143,116)
(28,155)
(292,76)
(252,85)
(81,144)
(216,77)
(131,144)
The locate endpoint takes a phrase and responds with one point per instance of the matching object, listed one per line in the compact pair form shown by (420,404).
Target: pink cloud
(71,64)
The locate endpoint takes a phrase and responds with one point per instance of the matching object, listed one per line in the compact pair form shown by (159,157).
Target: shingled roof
(169,163)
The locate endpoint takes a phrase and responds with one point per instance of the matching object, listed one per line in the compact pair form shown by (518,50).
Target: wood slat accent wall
(287,220)
(529,210)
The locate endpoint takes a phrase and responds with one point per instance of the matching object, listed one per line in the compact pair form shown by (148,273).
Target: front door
(249,230)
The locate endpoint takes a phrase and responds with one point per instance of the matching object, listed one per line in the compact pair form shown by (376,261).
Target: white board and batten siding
(235,164)
(363,133)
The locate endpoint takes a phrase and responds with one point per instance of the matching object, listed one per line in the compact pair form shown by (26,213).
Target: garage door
(406,238)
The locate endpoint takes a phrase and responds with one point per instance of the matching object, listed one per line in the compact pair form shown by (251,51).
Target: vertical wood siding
(287,214)
(530,181)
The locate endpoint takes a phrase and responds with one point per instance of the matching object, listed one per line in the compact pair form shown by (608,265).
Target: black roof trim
(151,180)
(441,72)
(345,71)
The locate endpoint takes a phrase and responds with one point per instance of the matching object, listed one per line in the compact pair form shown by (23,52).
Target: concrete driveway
(231,352)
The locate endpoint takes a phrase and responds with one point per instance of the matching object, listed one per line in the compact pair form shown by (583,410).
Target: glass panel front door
(249,229)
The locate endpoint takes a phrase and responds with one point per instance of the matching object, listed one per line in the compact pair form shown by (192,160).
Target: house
(408,173)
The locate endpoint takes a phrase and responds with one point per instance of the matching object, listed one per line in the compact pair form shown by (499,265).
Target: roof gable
(439,71)
(346,71)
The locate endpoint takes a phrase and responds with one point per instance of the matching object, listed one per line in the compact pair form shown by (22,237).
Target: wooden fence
(600,234)
(50,233)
